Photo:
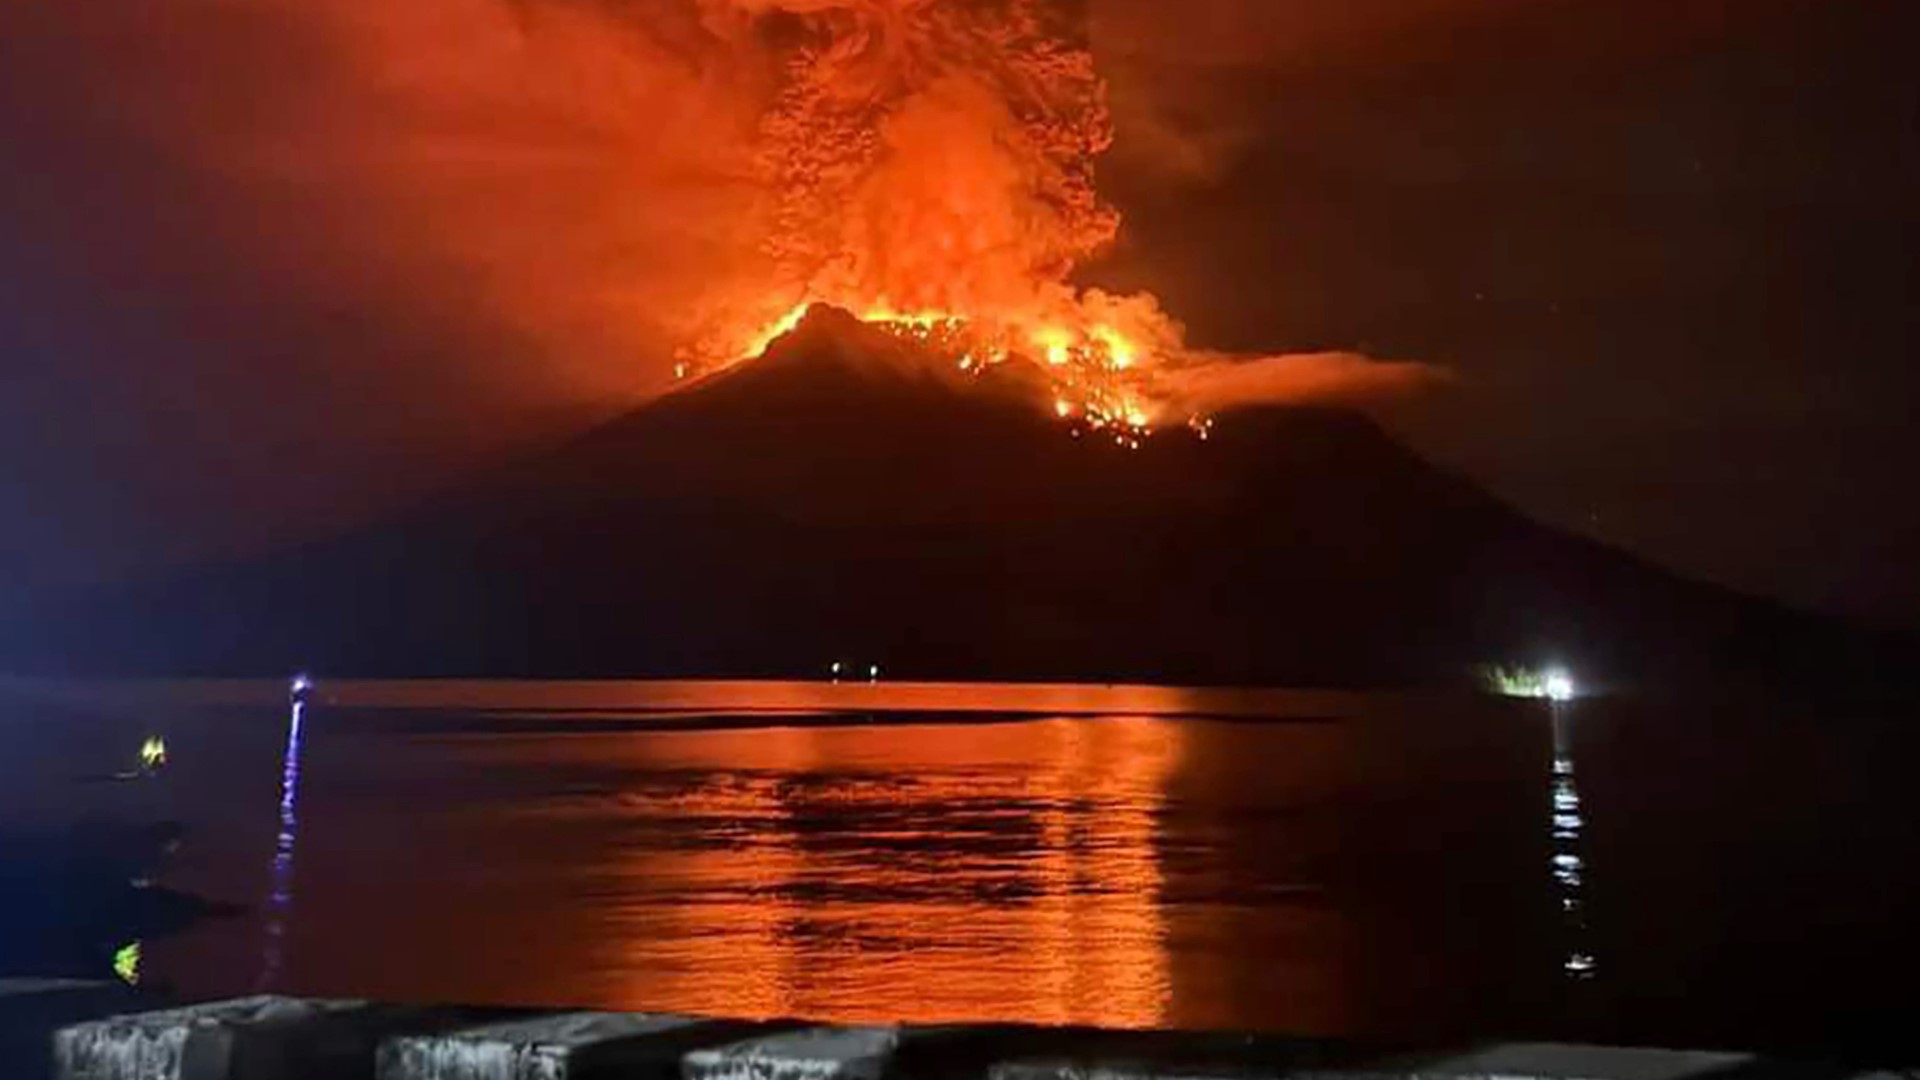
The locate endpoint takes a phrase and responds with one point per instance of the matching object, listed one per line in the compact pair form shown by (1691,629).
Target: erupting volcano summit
(930,167)
(1093,384)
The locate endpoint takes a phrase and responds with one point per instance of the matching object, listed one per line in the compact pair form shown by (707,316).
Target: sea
(1390,867)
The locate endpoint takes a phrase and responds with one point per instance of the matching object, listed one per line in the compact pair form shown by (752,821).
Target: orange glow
(1119,349)
(758,945)
(1055,344)
(766,335)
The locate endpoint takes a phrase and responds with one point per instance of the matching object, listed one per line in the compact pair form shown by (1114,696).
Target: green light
(153,753)
(1547,684)
(126,963)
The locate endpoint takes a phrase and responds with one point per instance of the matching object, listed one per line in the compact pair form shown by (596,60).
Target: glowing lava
(1096,379)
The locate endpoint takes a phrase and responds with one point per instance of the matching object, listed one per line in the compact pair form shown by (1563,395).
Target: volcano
(852,497)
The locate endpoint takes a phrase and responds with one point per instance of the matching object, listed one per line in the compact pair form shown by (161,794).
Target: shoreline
(352,1039)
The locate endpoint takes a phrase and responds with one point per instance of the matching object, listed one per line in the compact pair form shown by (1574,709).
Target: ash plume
(919,155)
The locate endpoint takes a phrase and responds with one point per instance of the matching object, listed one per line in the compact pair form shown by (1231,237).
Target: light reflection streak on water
(280,894)
(976,865)
(1568,862)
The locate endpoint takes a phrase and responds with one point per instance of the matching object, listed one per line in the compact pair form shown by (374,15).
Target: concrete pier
(265,1037)
(565,1046)
(810,1053)
(276,1038)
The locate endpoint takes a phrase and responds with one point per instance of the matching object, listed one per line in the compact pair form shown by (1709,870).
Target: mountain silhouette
(849,497)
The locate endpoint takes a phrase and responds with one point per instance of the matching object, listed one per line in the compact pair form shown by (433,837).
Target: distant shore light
(1558,686)
(1553,684)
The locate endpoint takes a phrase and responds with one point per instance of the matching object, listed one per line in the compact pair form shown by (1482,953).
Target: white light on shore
(1545,684)
(1558,686)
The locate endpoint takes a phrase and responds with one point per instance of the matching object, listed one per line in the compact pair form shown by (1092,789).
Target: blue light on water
(280,892)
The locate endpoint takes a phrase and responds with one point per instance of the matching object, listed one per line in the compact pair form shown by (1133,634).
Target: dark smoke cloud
(1194,82)
(564,173)
(264,258)
(1339,378)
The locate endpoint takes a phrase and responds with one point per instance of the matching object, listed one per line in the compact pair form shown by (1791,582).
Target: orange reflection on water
(901,873)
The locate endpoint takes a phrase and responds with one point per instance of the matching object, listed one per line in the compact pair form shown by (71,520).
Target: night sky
(267,269)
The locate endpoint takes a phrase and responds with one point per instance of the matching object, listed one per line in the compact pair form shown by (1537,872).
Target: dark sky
(1669,248)
(249,285)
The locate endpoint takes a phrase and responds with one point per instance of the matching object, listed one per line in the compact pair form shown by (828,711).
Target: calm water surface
(1320,864)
